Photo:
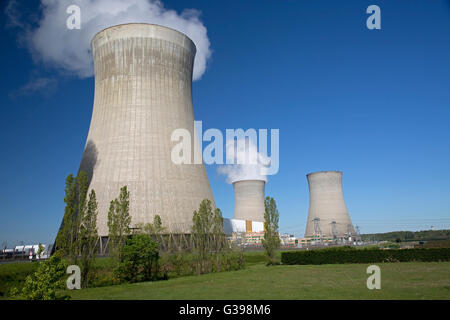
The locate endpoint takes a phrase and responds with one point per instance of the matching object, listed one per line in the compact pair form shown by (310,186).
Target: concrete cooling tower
(249,200)
(327,213)
(143,92)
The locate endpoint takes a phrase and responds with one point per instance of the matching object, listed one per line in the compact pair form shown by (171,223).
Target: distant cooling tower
(143,91)
(249,200)
(327,210)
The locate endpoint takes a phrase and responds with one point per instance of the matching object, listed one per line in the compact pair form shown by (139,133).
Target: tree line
(136,255)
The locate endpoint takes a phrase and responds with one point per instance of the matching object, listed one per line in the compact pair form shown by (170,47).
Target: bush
(330,256)
(42,285)
(104,279)
(139,259)
(180,264)
(177,264)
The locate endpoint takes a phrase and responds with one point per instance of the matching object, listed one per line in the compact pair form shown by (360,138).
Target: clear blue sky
(373,104)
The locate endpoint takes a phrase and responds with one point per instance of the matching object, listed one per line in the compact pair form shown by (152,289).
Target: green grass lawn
(14,274)
(408,280)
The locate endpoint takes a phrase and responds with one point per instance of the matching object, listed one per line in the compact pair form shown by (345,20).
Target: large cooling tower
(327,210)
(143,91)
(249,200)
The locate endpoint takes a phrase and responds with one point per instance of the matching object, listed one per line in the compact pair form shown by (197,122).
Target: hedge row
(326,256)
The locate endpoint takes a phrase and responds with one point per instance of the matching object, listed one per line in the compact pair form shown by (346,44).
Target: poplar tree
(88,238)
(68,238)
(207,233)
(119,223)
(271,241)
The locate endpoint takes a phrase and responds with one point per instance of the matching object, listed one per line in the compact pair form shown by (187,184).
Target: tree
(65,237)
(43,283)
(271,241)
(40,250)
(139,259)
(119,223)
(155,228)
(207,233)
(88,238)
(68,238)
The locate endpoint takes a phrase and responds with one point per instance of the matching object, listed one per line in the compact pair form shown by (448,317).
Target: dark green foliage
(77,237)
(139,259)
(271,241)
(68,238)
(425,235)
(334,256)
(184,264)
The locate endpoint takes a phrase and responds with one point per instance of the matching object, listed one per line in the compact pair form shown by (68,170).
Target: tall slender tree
(119,223)
(271,241)
(88,238)
(68,238)
(207,234)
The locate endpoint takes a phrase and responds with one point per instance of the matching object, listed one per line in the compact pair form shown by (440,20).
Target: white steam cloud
(54,44)
(249,164)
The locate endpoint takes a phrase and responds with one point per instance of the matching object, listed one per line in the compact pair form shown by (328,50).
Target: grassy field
(409,280)
(14,274)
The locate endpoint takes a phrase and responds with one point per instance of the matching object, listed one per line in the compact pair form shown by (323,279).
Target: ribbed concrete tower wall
(143,91)
(326,202)
(249,200)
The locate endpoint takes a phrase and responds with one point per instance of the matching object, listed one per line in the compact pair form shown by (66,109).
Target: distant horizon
(10,246)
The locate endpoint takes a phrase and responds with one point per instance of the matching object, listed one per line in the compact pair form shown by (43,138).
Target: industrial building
(327,216)
(143,92)
(231,226)
(247,226)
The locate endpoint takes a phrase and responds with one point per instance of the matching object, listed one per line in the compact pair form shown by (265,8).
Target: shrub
(185,264)
(104,279)
(42,285)
(329,256)
(176,263)
(139,259)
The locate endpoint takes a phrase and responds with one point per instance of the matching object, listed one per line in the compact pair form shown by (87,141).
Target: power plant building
(143,92)
(231,226)
(327,216)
